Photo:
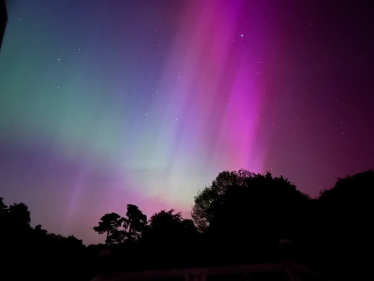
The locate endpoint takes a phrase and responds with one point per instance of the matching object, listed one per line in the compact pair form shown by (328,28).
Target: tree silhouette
(39,230)
(169,241)
(252,212)
(213,195)
(165,226)
(18,217)
(3,207)
(3,211)
(135,222)
(348,206)
(109,224)
(120,229)
(241,218)
(347,212)
(168,227)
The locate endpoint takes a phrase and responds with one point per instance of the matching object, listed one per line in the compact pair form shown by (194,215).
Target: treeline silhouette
(239,219)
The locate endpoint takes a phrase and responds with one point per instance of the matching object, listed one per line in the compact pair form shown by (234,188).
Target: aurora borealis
(105,103)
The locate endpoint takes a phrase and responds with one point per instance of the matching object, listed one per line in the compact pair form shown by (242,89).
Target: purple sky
(106,103)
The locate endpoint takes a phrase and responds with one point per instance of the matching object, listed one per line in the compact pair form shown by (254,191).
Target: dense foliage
(240,218)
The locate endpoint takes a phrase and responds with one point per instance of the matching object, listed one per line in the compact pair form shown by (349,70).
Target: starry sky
(106,103)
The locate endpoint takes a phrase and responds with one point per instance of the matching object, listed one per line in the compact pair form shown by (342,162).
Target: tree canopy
(169,228)
(109,224)
(135,222)
(119,229)
(239,218)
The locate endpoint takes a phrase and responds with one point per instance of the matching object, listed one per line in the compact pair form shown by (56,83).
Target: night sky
(106,103)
